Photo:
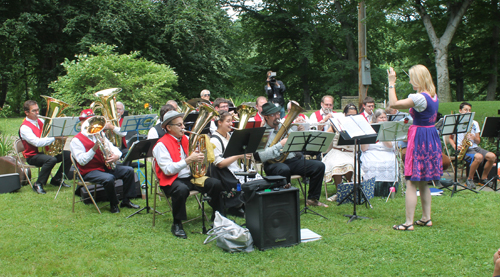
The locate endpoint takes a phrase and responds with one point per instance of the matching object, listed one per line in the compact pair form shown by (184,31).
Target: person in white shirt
(220,105)
(324,114)
(368,106)
(30,133)
(475,155)
(91,163)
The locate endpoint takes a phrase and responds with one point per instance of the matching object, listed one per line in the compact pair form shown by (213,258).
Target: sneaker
(470,184)
(332,198)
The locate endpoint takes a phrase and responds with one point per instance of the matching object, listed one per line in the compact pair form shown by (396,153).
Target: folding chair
(465,166)
(158,192)
(18,149)
(83,183)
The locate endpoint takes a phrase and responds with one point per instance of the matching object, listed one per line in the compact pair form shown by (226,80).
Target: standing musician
(30,132)
(475,153)
(325,113)
(294,164)
(171,153)
(92,165)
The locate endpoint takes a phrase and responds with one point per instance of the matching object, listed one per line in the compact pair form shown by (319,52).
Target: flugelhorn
(107,104)
(95,126)
(54,109)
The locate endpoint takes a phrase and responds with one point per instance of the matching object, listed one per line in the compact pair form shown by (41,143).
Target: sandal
(423,223)
(315,203)
(405,227)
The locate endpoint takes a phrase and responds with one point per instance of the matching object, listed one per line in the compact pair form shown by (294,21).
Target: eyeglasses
(206,95)
(370,106)
(178,124)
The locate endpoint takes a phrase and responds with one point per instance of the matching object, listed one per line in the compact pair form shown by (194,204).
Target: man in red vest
(171,153)
(92,165)
(30,132)
(368,106)
(325,113)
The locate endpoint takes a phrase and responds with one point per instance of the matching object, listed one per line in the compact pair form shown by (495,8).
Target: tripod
(491,129)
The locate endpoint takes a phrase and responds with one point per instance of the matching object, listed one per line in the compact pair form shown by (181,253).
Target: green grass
(41,236)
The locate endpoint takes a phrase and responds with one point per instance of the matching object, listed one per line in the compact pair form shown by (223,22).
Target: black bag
(268,182)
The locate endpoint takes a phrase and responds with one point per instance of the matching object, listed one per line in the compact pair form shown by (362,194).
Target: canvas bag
(230,236)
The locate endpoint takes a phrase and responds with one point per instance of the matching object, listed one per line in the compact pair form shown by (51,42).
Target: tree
(141,81)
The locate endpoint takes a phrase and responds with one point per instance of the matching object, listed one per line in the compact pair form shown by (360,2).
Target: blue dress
(423,161)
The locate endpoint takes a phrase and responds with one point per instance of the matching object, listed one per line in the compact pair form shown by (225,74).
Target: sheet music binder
(353,127)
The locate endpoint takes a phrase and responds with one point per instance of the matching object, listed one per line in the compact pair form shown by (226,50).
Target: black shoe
(129,205)
(114,209)
(38,188)
(178,231)
(58,183)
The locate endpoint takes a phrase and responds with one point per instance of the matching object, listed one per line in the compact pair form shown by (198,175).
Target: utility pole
(363,64)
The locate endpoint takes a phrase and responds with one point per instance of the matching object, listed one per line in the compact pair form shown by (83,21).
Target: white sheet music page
(363,124)
(352,129)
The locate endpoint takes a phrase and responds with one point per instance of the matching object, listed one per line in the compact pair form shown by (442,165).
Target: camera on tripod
(272,78)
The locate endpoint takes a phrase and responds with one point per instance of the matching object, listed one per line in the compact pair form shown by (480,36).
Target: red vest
(97,162)
(173,148)
(257,117)
(30,150)
(124,141)
(319,117)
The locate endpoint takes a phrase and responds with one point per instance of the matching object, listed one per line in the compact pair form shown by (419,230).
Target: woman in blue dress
(423,161)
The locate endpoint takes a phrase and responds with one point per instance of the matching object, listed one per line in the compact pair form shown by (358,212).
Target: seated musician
(368,106)
(172,168)
(92,165)
(261,100)
(205,94)
(301,118)
(225,167)
(157,131)
(220,105)
(475,155)
(325,113)
(379,160)
(30,133)
(120,109)
(294,164)
(339,161)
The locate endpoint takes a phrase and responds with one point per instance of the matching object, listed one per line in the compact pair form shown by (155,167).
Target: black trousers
(47,162)
(107,180)
(179,192)
(313,169)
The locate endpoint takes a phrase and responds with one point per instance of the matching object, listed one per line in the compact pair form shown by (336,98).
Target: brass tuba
(107,104)
(94,126)
(245,112)
(54,109)
(295,110)
(185,109)
(197,141)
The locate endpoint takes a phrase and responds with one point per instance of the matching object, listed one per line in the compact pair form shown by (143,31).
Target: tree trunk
(459,77)
(493,76)
(440,44)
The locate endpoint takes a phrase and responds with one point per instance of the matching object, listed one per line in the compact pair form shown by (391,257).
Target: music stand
(141,150)
(63,127)
(309,141)
(491,129)
(396,117)
(350,135)
(243,142)
(394,131)
(454,124)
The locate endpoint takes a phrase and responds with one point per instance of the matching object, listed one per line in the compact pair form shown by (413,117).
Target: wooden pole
(362,89)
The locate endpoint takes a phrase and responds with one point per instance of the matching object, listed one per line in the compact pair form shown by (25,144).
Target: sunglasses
(206,95)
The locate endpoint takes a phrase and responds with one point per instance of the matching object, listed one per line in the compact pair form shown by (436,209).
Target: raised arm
(393,99)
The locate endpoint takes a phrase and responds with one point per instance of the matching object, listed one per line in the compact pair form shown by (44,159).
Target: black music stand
(63,127)
(141,150)
(367,136)
(243,142)
(454,124)
(309,141)
(396,117)
(491,129)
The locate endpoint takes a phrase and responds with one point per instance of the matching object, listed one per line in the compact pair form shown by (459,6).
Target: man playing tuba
(30,133)
(92,165)
(293,164)
(172,168)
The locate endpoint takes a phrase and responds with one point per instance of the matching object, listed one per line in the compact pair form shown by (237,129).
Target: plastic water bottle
(143,191)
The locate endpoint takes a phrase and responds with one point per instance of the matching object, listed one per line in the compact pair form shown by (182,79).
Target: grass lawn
(41,236)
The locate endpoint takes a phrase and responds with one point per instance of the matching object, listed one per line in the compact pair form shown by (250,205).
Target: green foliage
(141,81)
(6,145)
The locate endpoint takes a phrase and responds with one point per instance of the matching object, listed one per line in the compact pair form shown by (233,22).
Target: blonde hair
(422,79)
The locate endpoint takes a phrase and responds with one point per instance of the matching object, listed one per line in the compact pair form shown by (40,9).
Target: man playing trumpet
(325,113)
(92,164)
(172,169)
(30,134)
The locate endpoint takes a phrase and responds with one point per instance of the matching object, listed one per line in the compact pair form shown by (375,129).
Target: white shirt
(30,137)
(116,130)
(474,130)
(152,134)
(84,157)
(167,165)
(419,102)
(314,119)
(368,116)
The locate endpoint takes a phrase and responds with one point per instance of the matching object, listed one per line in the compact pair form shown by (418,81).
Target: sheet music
(463,126)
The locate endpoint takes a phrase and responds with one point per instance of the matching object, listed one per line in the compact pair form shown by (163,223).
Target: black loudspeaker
(273,218)
(9,182)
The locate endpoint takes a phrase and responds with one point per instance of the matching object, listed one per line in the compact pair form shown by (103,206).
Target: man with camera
(275,90)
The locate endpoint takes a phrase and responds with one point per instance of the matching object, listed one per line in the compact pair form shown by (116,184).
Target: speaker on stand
(273,218)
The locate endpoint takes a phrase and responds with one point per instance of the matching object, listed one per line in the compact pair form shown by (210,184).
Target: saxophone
(466,143)
(295,111)
(95,126)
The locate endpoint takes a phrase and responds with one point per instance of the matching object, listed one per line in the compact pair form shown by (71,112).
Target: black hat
(270,108)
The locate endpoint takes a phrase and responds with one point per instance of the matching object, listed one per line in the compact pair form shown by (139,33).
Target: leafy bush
(6,145)
(141,81)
